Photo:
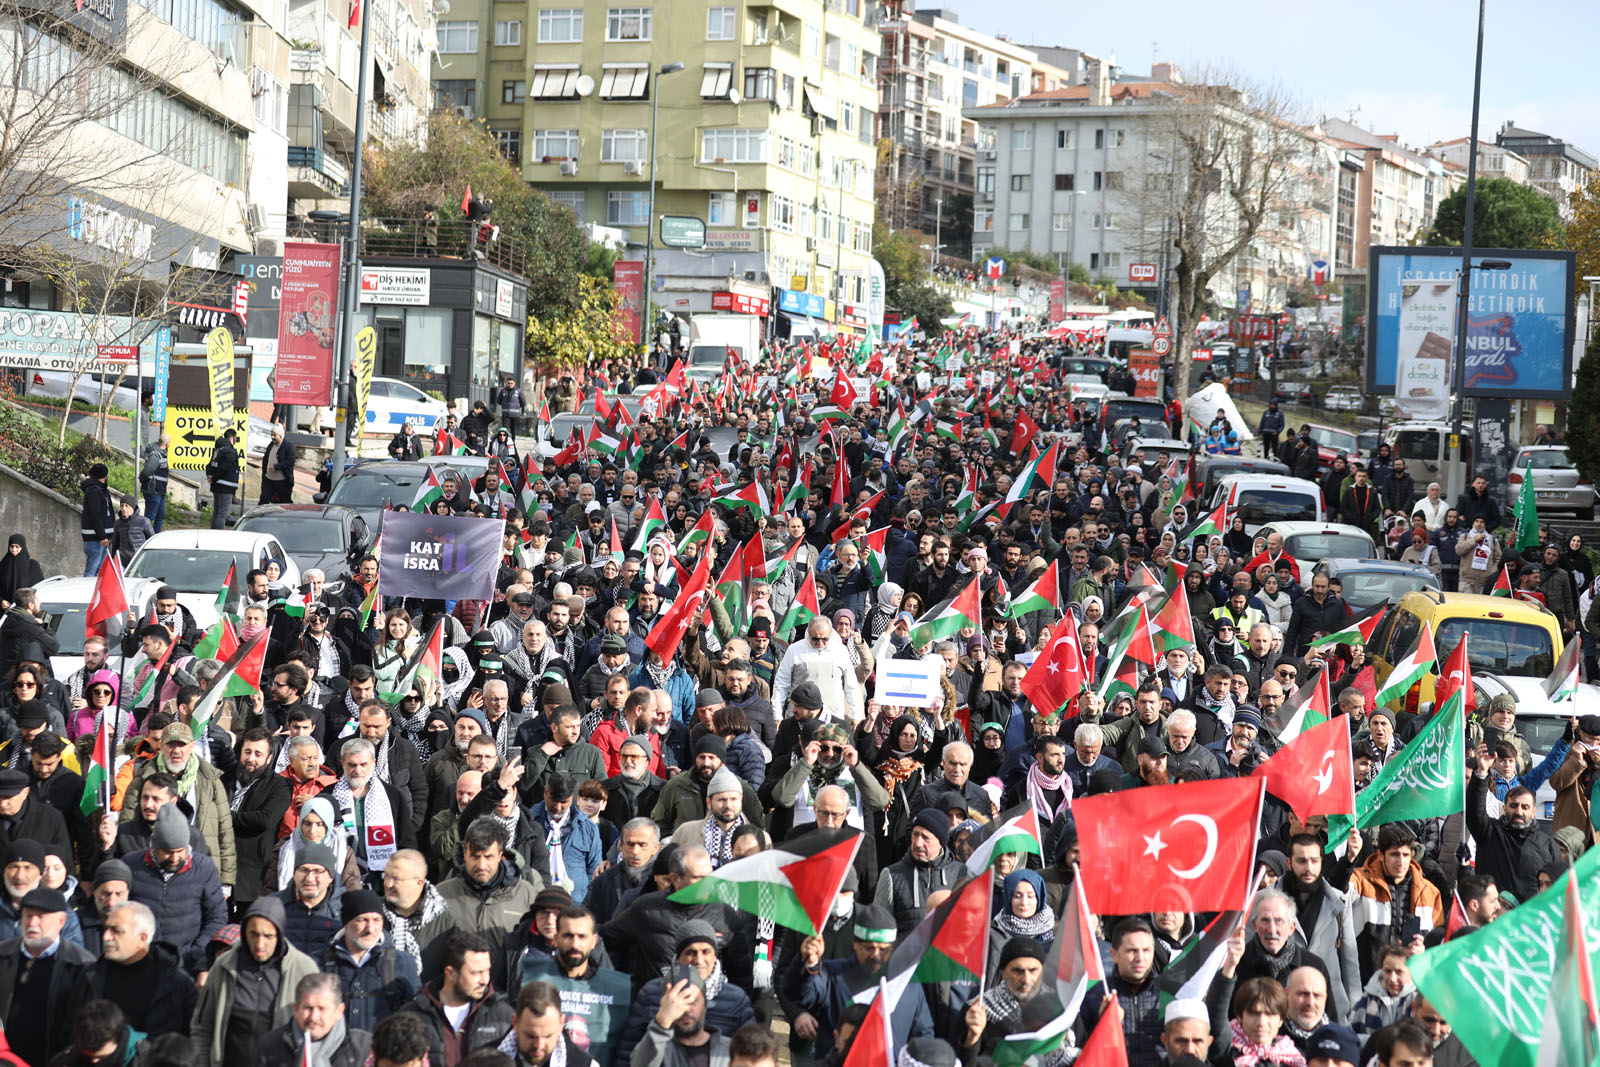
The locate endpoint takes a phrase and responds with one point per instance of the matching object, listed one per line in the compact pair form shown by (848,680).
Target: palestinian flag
(426,662)
(1502,584)
(454,446)
(804,607)
(801,489)
(1107,1045)
(1173,625)
(1043,595)
(875,553)
(948,428)
(752,496)
(616,554)
(1357,631)
(600,441)
(654,520)
(1312,705)
(142,697)
(219,642)
(700,531)
(950,944)
(774,568)
(1562,685)
(229,583)
(296,605)
(947,618)
(793,884)
(1189,974)
(432,493)
(873,1042)
(246,658)
(828,413)
(1018,831)
(1122,677)
(97,774)
(1409,670)
(1039,470)
(730,589)
(1074,957)
(1571,1015)
(898,427)
(1214,523)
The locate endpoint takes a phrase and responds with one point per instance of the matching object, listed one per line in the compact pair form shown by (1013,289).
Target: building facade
(1556,167)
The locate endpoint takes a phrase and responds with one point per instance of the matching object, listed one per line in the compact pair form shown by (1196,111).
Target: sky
(1399,67)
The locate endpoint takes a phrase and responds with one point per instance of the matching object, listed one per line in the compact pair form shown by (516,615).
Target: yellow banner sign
(194,433)
(219,364)
(366,357)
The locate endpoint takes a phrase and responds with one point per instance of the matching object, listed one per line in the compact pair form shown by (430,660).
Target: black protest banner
(439,557)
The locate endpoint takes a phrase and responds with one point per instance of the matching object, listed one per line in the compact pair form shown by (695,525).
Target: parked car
(1155,449)
(1294,393)
(1321,540)
(327,537)
(1263,498)
(1331,441)
(66,601)
(196,562)
(392,404)
(373,485)
(1211,469)
(1369,582)
(1342,398)
(1557,483)
(1514,637)
(1540,722)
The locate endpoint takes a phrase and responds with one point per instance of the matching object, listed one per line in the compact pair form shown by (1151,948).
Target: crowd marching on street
(922,724)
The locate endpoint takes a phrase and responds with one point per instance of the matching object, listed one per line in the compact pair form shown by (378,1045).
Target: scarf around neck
(1247,1053)
(430,908)
(1040,925)
(719,842)
(1040,783)
(320,1053)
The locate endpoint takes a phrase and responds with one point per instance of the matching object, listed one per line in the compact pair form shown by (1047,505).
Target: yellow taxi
(1504,636)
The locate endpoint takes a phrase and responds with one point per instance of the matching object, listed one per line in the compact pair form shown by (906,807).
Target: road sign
(194,435)
(683,231)
(1160,345)
(119,353)
(994,267)
(1163,327)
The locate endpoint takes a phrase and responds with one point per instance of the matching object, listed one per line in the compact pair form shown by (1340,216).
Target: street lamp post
(1457,478)
(352,275)
(650,213)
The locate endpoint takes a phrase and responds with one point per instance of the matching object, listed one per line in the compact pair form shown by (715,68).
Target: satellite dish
(585,85)
(733,94)
(441,7)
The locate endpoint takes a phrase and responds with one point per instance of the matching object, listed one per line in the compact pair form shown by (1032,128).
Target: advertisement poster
(1058,300)
(1146,368)
(1519,320)
(307,317)
(1424,348)
(366,358)
(219,368)
(876,295)
(628,277)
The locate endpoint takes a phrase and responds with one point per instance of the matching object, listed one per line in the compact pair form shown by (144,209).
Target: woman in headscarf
(1575,561)
(99,694)
(1236,540)
(988,752)
(18,570)
(1024,912)
(317,819)
(1279,605)
(855,647)
(878,620)
(901,765)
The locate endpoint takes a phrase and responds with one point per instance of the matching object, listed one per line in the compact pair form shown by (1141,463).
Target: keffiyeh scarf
(719,842)
(1247,1053)
(400,927)
(508,1047)
(1039,783)
(1039,925)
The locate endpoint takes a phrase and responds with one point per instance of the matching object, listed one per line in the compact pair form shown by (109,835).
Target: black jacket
(485,1026)
(404,446)
(223,470)
(1309,619)
(643,937)
(282,1047)
(171,1008)
(1512,857)
(69,981)
(98,521)
(23,637)
(255,832)
(283,469)
(37,821)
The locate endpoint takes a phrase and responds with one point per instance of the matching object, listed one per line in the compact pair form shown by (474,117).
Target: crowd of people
(364,863)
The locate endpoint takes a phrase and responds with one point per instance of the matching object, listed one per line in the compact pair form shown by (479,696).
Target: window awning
(554,82)
(821,103)
(625,82)
(716,81)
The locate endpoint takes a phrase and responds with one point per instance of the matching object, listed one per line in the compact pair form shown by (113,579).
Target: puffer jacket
(1371,896)
(188,905)
(1141,1015)
(1375,1009)
(212,814)
(378,986)
(309,928)
(904,887)
(486,1023)
(493,910)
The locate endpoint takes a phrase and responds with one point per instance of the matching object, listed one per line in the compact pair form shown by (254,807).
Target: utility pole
(352,259)
(1457,477)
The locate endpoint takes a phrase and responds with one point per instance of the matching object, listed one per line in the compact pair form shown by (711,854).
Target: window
(551,145)
(508,34)
(780,213)
(759,83)
(513,92)
(571,199)
(1099,138)
(1095,223)
(733,146)
(866,125)
(1002,72)
(1021,138)
(813,40)
(458,37)
(510,143)
(625,82)
(555,83)
(983,220)
(986,180)
(722,210)
(1113,259)
(622,146)
(1116,139)
(627,208)
(1065,182)
(969,92)
(1099,181)
(1018,221)
(1063,138)
(1094,260)
(1060,221)
(786,91)
(456,92)
(1021,183)
(720,23)
(629,23)
(1113,221)
(716,81)
(560,25)
(830,52)
(847,118)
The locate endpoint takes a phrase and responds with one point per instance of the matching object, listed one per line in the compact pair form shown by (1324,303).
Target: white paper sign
(910,683)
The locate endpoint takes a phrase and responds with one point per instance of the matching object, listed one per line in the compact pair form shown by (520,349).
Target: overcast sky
(1406,66)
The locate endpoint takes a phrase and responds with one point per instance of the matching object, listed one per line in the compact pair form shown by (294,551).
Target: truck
(714,338)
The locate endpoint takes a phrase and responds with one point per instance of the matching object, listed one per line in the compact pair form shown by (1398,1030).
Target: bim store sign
(62,340)
(1519,321)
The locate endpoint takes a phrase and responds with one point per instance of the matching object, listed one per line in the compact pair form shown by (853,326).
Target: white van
(1263,498)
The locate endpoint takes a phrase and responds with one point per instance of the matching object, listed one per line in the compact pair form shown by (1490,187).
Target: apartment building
(1494,161)
(933,68)
(1389,194)
(765,133)
(1556,167)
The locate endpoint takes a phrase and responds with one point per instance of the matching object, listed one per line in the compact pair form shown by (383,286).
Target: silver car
(1557,484)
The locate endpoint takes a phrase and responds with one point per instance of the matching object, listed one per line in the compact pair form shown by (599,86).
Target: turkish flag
(1057,675)
(1023,431)
(1188,847)
(1457,675)
(380,835)
(1313,773)
(843,394)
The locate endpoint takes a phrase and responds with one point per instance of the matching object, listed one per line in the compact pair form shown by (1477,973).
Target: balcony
(392,238)
(315,173)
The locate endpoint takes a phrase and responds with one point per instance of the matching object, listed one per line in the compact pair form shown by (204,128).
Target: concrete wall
(49,521)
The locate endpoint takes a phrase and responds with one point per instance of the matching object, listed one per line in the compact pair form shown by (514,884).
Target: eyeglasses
(23,684)
(830,748)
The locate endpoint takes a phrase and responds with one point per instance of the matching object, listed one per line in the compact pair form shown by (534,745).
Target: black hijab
(20,571)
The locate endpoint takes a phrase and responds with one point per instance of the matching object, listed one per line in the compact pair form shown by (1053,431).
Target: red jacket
(608,738)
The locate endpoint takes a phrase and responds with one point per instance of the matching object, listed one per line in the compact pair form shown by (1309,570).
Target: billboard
(307,317)
(1519,321)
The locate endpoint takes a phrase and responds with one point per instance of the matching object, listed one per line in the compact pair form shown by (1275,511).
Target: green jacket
(683,801)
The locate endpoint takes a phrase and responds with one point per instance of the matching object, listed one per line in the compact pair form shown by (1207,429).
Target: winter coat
(69,980)
(683,800)
(581,851)
(828,991)
(1310,618)
(378,987)
(487,1023)
(1332,939)
(284,1047)
(1370,897)
(727,1011)
(309,928)
(746,760)
(642,938)
(210,1025)
(904,887)
(211,814)
(129,535)
(188,905)
(1511,856)
(255,833)
(169,1012)
(1375,1009)
(493,910)
(658,1049)
(1572,799)
(99,521)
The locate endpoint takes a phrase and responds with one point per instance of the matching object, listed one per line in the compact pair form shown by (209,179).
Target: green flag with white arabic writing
(1525,514)
(1425,779)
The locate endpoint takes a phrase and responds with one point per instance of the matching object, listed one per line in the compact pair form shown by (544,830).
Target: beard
(702,775)
(248,778)
(572,960)
(1157,775)
(686,1026)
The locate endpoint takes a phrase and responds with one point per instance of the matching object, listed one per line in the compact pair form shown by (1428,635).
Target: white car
(66,601)
(1538,720)
(1267,498)
(1342,398)
(195,563)
(392,404)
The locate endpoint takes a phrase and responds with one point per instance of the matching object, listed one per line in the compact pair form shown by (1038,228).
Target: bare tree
(1223,159)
